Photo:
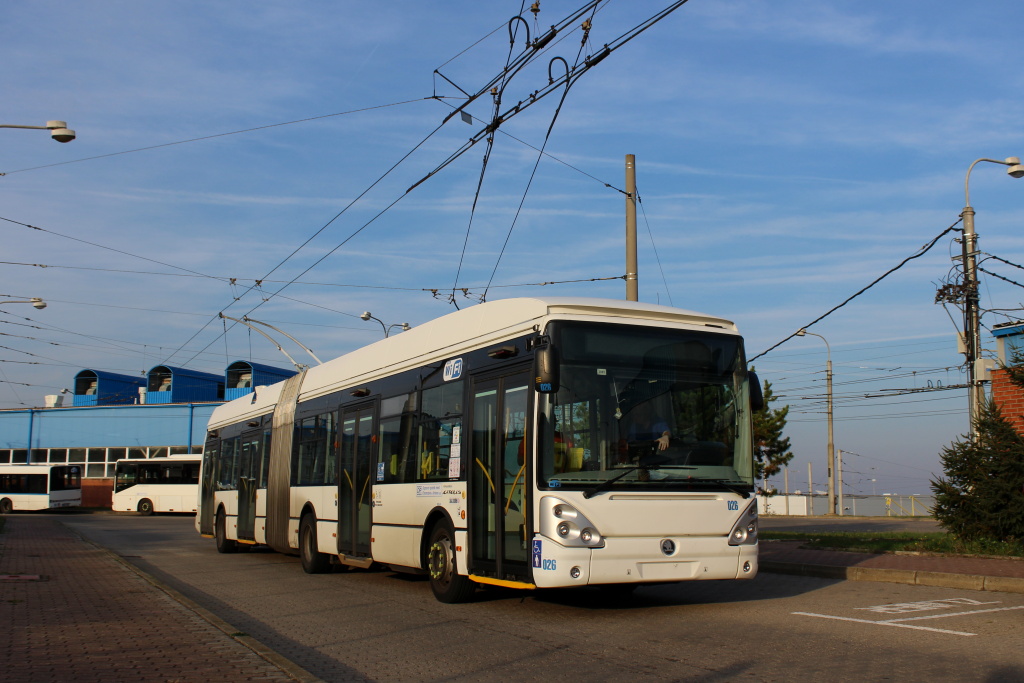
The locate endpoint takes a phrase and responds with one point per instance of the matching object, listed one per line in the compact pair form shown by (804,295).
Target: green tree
(771,448)
(982,494)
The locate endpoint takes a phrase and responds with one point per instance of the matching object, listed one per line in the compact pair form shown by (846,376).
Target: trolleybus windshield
(646,408)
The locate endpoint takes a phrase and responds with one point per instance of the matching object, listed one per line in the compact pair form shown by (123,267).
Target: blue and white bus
(526,443)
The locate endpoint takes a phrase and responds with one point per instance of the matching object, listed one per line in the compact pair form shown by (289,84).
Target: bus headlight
(744,532)
(563,523)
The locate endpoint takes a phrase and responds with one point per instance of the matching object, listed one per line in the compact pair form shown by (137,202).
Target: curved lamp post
(831,444)
(405,327)
(59,130)
(35,301)
(972,315)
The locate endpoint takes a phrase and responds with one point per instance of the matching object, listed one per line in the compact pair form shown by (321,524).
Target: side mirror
(545,369)
(756,394)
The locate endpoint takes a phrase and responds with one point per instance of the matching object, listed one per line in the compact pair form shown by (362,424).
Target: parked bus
(39,487)
(151,485)
(526,443)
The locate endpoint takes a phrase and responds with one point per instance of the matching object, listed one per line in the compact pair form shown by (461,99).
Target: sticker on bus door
(537,553)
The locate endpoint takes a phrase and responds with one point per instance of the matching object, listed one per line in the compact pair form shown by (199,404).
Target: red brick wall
(1009,398)
(97,493)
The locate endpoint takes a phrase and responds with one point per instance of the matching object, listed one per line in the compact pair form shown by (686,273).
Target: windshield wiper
(607,483)
(726,483)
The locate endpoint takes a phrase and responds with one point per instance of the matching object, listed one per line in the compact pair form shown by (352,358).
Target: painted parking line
(884,623)
(922,606)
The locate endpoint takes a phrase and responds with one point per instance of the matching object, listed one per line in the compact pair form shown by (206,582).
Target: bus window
(125,476)
(314,446)
(440,420)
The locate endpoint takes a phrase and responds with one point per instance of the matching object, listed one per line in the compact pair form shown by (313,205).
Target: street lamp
(35,301)
(972,314)
(59,130)
(405,327)
(831,444)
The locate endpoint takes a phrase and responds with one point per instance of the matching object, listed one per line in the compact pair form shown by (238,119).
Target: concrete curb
(289,667)
(1005,584)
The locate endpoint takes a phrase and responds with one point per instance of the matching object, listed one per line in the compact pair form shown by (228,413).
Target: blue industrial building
(114,416)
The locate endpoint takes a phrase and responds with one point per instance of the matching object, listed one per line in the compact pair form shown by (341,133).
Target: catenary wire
(921,252)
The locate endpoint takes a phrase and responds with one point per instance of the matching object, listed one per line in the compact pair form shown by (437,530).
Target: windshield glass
(652,408)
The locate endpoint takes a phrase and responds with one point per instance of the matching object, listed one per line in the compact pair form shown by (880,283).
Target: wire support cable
(536,163)
(222,135)
(654,246)
(996,275)
(921,252)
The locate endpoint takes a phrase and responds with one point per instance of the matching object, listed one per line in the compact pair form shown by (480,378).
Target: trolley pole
(632,286)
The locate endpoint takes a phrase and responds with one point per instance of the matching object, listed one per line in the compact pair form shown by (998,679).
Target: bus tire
(448,585)
(145,507)
(224,544)
(313,561)
(6,506)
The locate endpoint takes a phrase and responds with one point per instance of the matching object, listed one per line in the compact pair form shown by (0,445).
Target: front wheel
(313,561)
(224,544)
(145,507)
(448,585)
(6,507)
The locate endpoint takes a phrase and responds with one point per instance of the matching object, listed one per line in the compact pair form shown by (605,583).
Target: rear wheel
(145,507)
(224,544)
(446,582)
(313,561)
(6,507)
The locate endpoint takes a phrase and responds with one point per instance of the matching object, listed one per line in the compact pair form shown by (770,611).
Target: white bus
(527,443)
(39,487)
(151,485)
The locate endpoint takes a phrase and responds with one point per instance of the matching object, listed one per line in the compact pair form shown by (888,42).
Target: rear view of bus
(39,487)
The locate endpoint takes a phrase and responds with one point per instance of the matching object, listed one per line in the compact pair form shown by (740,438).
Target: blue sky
(788,153)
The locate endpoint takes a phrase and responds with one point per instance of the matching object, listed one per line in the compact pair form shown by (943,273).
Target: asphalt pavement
(76,611)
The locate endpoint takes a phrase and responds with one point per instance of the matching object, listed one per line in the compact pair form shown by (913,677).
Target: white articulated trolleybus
(528,443)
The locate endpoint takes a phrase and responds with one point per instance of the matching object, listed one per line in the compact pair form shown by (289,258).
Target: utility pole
(831,442)
(810,491)
(972,314)
(839,478)
(632,286)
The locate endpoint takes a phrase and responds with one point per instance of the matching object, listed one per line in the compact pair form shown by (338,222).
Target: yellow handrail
(486,474)
(513,489)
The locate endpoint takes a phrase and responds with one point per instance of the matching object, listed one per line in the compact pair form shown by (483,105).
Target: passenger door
(206,486)
(248,479)
(356,460)
(499,461)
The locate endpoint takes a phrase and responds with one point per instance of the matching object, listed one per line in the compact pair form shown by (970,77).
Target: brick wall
(97,493)
(1009,398)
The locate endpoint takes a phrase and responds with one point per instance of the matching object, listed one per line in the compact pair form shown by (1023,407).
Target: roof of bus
(456,333)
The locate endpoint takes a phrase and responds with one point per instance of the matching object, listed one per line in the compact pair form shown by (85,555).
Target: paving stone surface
(73,612)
